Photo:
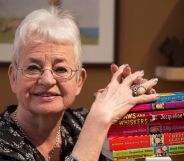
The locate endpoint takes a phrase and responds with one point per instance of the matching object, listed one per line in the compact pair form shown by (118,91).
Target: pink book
(158,106)
(145,129)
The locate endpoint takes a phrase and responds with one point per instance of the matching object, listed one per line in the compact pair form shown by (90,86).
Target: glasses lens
(35,72)
(32,71)
(62,72)
(29,74)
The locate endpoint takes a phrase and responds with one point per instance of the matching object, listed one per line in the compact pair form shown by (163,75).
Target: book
(146,117)
(158,106)
(170,96)
(159,151)
(143,141)
(146,129)
(150,129)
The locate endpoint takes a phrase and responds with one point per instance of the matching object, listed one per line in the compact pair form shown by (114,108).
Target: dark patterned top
(15,146)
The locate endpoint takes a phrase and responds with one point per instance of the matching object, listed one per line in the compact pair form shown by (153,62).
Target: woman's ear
(12,77)
(81,80)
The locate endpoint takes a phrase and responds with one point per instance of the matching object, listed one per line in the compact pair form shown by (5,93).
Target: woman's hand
(111,103)
(114,101)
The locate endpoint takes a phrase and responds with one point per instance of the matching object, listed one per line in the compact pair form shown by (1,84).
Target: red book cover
(158,106)
(142,141)
(140,118)
(146,129)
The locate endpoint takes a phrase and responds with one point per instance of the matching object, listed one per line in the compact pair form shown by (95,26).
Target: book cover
(170,96)
(134,153)
(146,129)
(142,141)
(158,106)
(146,117)
(159,151)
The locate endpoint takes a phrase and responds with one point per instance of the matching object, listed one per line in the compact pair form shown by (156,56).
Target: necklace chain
(52,152)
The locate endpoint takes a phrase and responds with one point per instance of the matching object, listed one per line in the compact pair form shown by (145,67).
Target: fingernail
(126,65)
(142,72)
(157,95)
(113,68)
(155,80)
(112,65)
(153,91)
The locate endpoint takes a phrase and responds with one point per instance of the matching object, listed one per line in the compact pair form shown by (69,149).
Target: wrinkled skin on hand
(114,101)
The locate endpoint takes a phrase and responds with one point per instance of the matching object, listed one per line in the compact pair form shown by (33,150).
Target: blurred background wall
(140,28)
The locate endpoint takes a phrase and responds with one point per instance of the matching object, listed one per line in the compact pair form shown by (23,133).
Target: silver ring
(138,90)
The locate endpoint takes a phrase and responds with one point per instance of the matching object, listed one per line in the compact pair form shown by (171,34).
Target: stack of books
(153,129)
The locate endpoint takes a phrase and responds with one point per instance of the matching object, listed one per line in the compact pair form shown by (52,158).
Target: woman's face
(46,94)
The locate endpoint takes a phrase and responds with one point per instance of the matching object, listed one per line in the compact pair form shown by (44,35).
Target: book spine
(160,151)
(134,153)
(146,129)
(172,96)
(158,106)
(151,117)
(142,141)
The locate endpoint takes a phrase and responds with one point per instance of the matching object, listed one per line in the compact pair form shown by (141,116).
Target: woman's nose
(47,78)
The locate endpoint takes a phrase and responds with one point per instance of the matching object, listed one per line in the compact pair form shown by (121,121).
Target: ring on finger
(138,90)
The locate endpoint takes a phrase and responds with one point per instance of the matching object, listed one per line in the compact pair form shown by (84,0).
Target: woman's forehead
(47,47)
(60,52)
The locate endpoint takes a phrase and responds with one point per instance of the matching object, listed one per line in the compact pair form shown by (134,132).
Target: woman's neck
(51,152)
(43,131)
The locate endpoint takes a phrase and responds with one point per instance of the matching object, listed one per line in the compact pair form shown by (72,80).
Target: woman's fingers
(146,98)
(130,79)
(151,91)
(114,68)
(150,83)
(119,73)
(117,98)
(140,80)
(150,95)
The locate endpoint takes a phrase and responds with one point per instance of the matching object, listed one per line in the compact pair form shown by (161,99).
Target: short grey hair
(53,24)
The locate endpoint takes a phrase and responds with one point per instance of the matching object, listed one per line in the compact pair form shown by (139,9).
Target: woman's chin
(47,109)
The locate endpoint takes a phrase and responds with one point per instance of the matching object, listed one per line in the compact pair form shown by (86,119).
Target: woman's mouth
(46,96)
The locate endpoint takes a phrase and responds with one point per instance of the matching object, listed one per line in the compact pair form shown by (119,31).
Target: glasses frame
(28,75)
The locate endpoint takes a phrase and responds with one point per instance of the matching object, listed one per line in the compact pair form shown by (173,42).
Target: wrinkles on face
(46,92)
(48,53)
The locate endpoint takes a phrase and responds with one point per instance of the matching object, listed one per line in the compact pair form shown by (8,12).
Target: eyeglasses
(61,73)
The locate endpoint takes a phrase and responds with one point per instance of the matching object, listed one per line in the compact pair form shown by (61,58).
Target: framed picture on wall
(95,18)
(96,21)
(11,14)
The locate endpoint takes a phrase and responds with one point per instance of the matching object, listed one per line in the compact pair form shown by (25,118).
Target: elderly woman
(46,75)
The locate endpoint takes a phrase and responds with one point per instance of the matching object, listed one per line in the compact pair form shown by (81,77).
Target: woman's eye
(60,70)
(33,68)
